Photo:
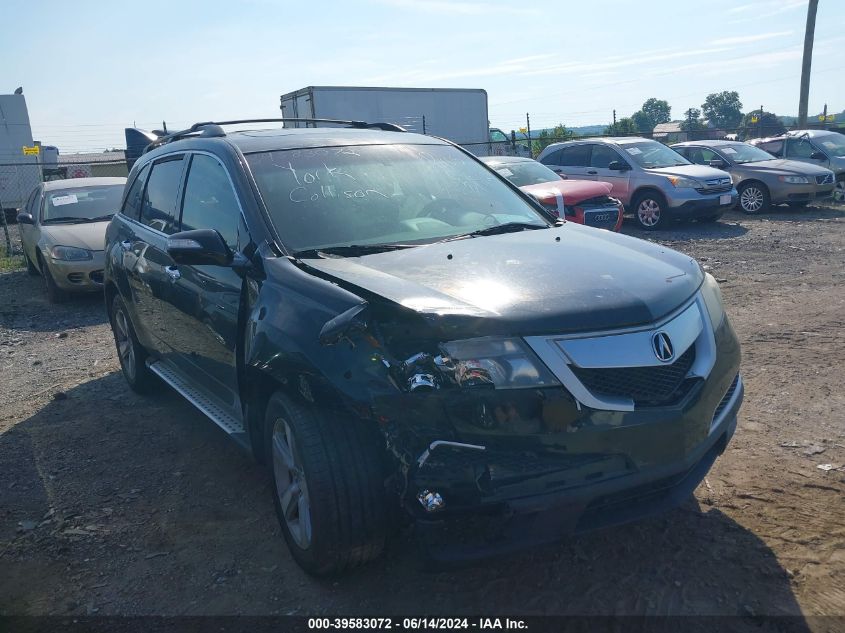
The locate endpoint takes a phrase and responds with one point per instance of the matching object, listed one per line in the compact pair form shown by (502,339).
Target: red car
(586,202)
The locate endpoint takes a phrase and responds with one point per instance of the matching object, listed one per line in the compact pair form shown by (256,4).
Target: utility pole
(809,34)
(824,117)
(614,121)
(528,129)
(760,128)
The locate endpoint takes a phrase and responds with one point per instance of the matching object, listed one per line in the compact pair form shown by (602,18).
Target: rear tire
(839,190)
(130,353)
(328,486)
(753,198)
(650,211)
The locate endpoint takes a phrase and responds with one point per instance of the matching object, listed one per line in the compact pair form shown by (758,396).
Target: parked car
(580,201)
(372,314)
(654,183)
(817,147)
(63,229)
(760,178)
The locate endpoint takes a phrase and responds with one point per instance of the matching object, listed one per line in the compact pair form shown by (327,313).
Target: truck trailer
(20,169)
(457,114)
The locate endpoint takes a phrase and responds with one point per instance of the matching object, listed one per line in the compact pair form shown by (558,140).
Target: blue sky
(91,68)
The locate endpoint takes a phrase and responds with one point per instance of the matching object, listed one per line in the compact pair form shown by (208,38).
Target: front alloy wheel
(650,213)
(291,487)
(839,190)
(752,199)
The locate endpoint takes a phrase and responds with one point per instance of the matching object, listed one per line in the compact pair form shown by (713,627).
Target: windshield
(744,153)
(651,154)
(524,173)
(81,204)
(833,143)
(382,194)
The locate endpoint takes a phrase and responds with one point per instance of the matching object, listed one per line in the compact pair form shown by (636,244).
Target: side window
(158,210)
(30,206)
(701,155)
(210,201)
(773,147)
(575,156)
(799,148)
(132,204)
(602,156)
(551,158)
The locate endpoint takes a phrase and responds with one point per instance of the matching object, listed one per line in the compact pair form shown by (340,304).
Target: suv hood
(699,172)
(528,282)
(88,235)
(784,166)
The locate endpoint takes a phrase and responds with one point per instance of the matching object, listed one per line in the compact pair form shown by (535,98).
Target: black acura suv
(404,338)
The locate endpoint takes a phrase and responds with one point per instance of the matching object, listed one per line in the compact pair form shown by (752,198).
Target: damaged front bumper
(506,469)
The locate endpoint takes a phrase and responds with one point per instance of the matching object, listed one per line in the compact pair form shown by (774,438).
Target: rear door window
(602,156)
(773,147)
(132,204)
(209,201)
(575,156)
(158,210)
(552,158)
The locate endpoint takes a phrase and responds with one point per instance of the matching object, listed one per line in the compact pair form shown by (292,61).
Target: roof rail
(215,129)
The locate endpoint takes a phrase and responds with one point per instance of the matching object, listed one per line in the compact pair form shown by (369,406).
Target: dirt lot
(111,503)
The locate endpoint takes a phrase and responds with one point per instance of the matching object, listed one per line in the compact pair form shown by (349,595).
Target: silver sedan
(63,228)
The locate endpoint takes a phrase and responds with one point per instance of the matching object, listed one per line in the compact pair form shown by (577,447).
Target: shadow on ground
(139,505)
(29,309)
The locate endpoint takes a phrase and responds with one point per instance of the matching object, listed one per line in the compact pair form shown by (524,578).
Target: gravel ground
(112,503)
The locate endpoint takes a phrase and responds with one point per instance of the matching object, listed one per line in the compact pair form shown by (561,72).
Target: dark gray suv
(372,314)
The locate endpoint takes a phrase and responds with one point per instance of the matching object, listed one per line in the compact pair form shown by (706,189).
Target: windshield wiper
(99,218)
(351,250)
(507,227)
(64,219)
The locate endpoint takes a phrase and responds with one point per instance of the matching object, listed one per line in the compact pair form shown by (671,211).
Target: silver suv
(654,182)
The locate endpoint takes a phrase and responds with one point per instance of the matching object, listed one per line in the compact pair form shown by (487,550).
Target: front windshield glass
(382,194)
(524,173)
(833,143)
(81,204)
(744,153)
(651,154)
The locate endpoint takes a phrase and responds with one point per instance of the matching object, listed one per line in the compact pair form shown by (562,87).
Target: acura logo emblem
(662,346)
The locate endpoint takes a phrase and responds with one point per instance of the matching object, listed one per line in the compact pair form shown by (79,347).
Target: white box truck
(458,114)
(20,170)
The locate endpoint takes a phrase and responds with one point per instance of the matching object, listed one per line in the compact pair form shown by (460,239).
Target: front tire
(130,353)
(650,211)
(753,198)
(30,267)
(839,190)
(54,293)
(328,486)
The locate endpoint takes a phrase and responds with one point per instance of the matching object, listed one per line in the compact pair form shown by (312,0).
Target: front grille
(646,386)
(827,179)
(601,218)
(715,185)
(726,398)
(96,276)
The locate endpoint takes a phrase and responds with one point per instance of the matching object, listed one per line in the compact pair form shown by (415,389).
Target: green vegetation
(723,109)
(545,138)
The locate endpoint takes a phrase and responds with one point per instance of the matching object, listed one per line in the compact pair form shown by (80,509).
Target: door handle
(592,172)
(126,245)
(173,273)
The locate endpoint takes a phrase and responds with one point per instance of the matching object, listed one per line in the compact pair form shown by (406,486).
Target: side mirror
(618,165)
(718,163)
(563,176)
(201,247)
(25,218)
(817,155)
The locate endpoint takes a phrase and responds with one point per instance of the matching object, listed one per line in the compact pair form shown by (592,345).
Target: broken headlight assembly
(500,363)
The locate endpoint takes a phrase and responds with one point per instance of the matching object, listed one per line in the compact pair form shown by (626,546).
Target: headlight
(503,363)
(70,253)
(794,180)
(712,295)
(684,183)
